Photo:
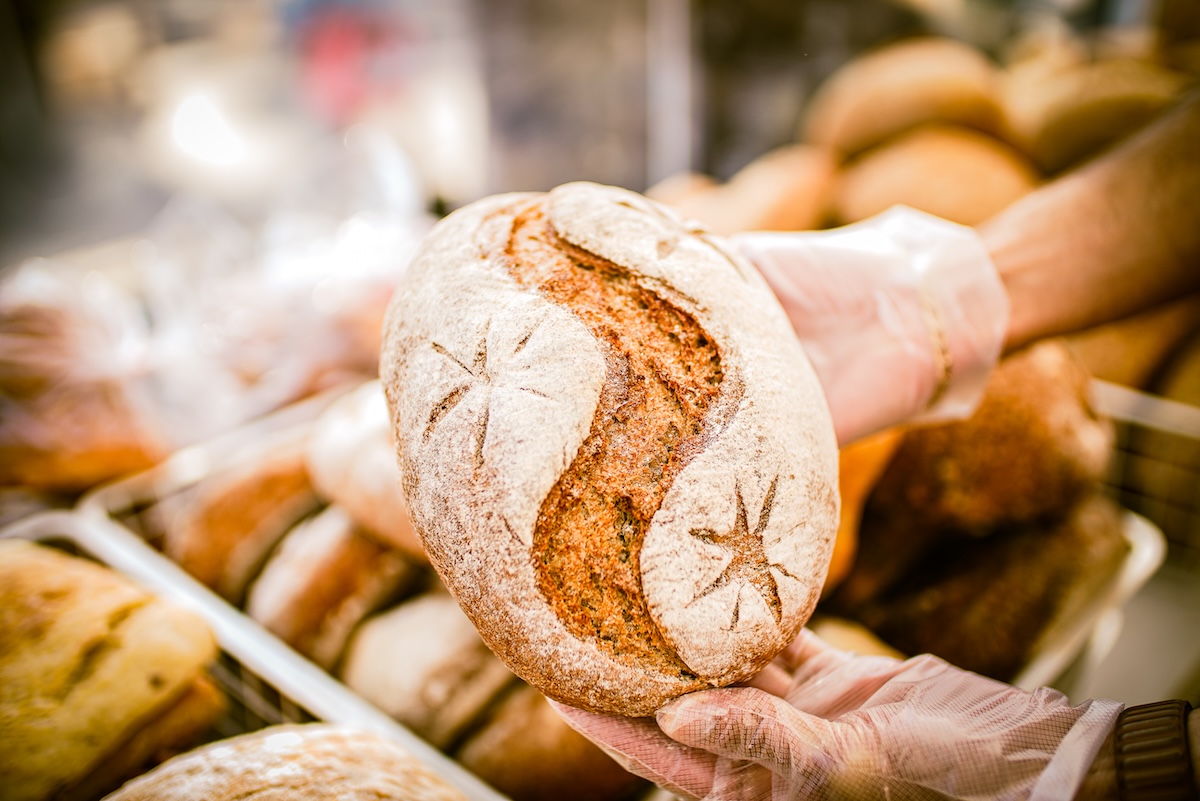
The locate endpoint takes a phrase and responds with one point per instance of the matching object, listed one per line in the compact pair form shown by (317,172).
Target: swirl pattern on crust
(614,448)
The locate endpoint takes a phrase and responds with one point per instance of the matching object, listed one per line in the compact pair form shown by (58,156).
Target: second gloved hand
(858,727)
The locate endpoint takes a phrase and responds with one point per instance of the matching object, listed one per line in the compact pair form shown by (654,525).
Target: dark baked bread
(1033,447)
(613,446)
(985,605)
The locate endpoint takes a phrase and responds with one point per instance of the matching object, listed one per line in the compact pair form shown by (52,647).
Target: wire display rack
(1155,470)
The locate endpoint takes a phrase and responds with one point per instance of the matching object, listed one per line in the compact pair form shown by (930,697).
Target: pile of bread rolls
(939,125)
(310,536)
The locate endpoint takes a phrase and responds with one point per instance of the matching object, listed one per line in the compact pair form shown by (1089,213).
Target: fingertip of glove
(717,707)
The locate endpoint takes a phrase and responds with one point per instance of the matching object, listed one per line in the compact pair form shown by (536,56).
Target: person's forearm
(1117,236)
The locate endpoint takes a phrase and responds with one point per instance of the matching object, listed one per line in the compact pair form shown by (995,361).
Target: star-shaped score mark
(748,560)
(481,375)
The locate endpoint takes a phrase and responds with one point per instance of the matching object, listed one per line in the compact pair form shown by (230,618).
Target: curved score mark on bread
(748,561)
(658,406)
(688,228)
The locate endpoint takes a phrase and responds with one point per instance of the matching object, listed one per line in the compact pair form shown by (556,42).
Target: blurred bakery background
(204,207)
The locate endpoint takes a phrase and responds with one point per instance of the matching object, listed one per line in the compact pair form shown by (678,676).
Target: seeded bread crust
(294,762)
(613,446)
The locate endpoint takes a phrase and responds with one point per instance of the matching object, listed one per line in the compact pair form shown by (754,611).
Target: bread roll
(786,189)
(222,530)
(954,173)
(681,187)
(87,661)
(297,762)
(1033,447)
(614,448)
(322,580)
(899,86)
(1067,116)
(424,664)
(527,751)
(351,458)
(71,413)
(988,605)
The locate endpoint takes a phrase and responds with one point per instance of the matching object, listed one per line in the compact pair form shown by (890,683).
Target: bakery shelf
(265,681)
(1156,465)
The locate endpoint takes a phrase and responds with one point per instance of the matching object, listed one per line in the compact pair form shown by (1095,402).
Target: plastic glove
(860,727)
(902,315)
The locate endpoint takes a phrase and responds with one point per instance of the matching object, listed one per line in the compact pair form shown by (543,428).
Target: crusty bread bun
(322,580)
(899,86)
(1034,446)
(527,751)
(68,421)
(1030,451)
(1063,117)
(786,189)
(680,187)
(613,445)
(423,663)
(89,664)
(294,762)
(351,458)
(990,605)
(951,172)
(222,530)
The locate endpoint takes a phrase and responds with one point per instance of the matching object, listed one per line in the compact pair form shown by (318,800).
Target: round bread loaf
(298,762)
(351,458)
(899,86)
(424,664)
(613,446)
(951,172)
(89,662)
(322,580)
(1063,118)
